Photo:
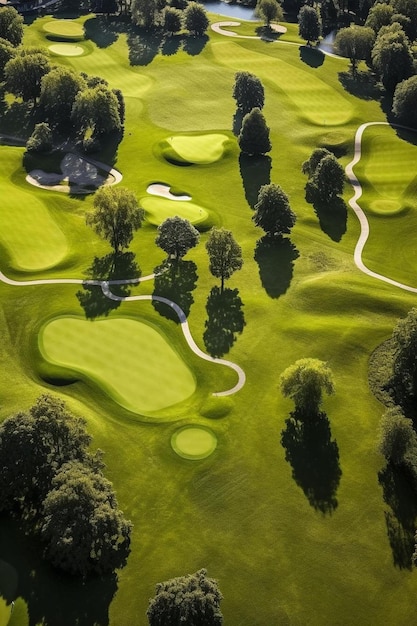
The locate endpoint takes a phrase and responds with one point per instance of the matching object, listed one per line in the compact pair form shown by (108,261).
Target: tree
(24,72)
(7,52)
(391,56)
(404,379)
(59,89)
(379,15)
(225,254)
(269,10)
(41,139)
(404,104)
(116,216)
(82,528)
(147,13)
(408,9)
(272,211)
(309,167)
(176,236)
(193,600)
(195,19)
(11,25)
(254,135)
(248,92)
(356,43)
(328,179)
(172,20)
(309,24)
(304,382)
(96,109)
(397,437)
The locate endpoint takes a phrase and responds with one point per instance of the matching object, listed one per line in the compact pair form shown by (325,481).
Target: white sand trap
(164,191)
(66,49)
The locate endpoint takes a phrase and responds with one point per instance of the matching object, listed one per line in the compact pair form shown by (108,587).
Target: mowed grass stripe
(130,360)
(316,101)
(30,235)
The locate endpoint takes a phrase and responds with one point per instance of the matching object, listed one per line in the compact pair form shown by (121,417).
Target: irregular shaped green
(198,149)
(158,209)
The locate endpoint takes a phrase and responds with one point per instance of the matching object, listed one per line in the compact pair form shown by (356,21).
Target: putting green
(67,29)
(197,149)
(158,209)
(194,442)
(66,49)
(386,207)
(129,360)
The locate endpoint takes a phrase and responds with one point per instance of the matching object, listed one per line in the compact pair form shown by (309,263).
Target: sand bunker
(164,191)
(66,49)
(194,442)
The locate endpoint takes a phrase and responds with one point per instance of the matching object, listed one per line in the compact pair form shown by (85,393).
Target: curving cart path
(363,221)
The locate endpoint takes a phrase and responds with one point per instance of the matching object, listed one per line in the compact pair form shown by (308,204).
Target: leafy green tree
(96,109)
(195,19)
(304,382)
(59,89)
(404,379)
(379,15)
(309,167)
(176,236)
(248,92)
(225,254)
(7,52)
(24,73)
(404,104)
(269,10)
(408,9)
(328,179)
(272,211)
(116,216)
(172,20)
(147,13)
(254,135)
(391,56)
(397,437)
(356,43)
(11,25)
(82,528)
(309,24)
(41,139)
(193,600)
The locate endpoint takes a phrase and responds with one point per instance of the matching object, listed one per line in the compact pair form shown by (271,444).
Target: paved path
(363,221)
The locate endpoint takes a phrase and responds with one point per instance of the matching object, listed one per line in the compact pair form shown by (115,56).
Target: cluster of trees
(249,93)
(53,484)
(172,16)
(326,176)
(269,11)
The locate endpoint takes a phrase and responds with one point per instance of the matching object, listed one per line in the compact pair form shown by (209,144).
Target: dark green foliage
(408,8)
(304,382)
(195,19)
(116,216)
(248,92)
(397,438)
(309,167)
(328,180)
(122,106)
(254,134)
(269,10)
(176,236)
(391,56)
(7,52)
(404,378)
(172,20)
(309,23)
(11,25)
(356,43)
(379,15)
(192,600)
(96,109)
(404,104)
(59,89)
(272,211)
(24,73)
(41,139)
(147,13)
(225,254)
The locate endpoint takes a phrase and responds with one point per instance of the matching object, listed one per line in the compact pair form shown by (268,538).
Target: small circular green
(66,49)
(387,208)
(194,442)
(67,29)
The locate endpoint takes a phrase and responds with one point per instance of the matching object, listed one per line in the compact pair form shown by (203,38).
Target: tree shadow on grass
(266,33)
(255,172)
(101,30)
(225,320)
(109,267)
(311,56)
(399,495)
(143,46)
(171,45)
(194,45)
(363,85)
(275,257)
(175,281)
(51,597)
(314,458)
(332,217)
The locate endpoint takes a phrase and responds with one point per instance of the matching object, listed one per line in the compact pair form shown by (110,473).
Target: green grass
(244,512)
(194,442)
(158,209)
(146,376)
(66,49)
(201,150)
(66,29)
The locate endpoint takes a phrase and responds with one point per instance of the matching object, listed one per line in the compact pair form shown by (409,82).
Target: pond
(237,11)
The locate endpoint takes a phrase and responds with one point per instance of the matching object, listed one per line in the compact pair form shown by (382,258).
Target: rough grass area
(130,360)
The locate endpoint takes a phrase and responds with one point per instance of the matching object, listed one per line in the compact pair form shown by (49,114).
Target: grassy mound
(194,442)
(194,149)
(64,29)
(216,407)
(66,49)
(387,207)
(130,360)
(158,209)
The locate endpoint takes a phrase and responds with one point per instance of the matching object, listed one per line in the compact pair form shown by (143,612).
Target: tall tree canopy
(254,134)
(404,104)
(304,382)
(11,25)
(96,109)
(176,236)
(404,380)
(248,92)
(195,19)
(328,179)
(356,44)
(147,13)
(379,15)
(391,56)
(59,89)
(272,211)
(191,600)
(309,23)
(225,254)
(269,10)
(116,216)
(397,437)
(24,72)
